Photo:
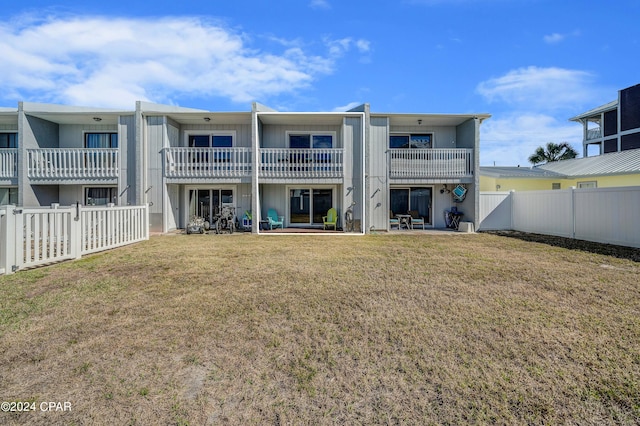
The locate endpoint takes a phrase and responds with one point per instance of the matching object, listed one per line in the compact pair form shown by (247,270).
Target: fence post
(573,212)
(75,231)
(511,197)
(8,226)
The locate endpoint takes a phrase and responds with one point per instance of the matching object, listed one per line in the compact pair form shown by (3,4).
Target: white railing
(302,163)
(207,162)
(8,162)
(36,236)
(72,163)
(431,163)
(595,133)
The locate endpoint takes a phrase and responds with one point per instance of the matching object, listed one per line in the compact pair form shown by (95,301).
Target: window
(555,185)
(307,140)
(211,140)
(100,140)
(400,141)
(8,196)
(589,184)
(8,140)
(100,196)
(206,203)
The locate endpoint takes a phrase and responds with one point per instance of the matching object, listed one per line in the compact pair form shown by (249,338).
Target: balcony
(73,163)
(431,163)
(8,163)
(301,163)
(207,162)
(595,133)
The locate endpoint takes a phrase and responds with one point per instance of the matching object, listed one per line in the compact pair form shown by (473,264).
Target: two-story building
(188,162)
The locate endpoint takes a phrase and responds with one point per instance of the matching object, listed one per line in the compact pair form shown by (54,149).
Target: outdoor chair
(331,219)
(274,219)
(393,221)
(416,219)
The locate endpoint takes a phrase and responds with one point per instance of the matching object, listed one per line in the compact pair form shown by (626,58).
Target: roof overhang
(428,120)
(596,112)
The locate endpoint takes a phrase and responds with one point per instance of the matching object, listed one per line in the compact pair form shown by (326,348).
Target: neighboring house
(613,130)
(614,126)
(601,171)
(187,162)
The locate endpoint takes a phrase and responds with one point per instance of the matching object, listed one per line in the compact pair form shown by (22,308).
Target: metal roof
(613,163)
(595,111)
(517,172)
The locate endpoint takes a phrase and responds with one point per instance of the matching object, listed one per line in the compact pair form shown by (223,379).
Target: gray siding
(243,132)
(72,135)
(276,136)
(128,163)
(154,191)
(378,181)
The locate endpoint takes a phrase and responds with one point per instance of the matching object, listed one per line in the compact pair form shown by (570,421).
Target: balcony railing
(181,162)
(431,163)
(595,133)
(301,163)
(8,162)
(73,163)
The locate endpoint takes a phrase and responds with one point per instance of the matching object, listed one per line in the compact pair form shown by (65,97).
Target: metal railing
(595,133)
(183,162)
(8,162)
(302,163)
(431,163)
(72,163)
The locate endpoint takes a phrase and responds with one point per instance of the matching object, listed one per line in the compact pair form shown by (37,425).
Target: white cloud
(536,88)
(553,38)
(110,62)
(510,139)
(319,4)
(347,107)
(339,47)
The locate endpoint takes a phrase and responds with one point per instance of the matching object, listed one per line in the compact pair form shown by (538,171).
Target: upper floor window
(412,140)
(310,140)
(8,140)
(100,140)
(211,140)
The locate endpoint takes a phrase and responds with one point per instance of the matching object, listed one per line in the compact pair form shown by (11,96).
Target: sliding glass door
(415,198)
(308,205)
(205,202)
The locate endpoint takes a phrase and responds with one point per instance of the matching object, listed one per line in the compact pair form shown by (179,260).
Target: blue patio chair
(274,219)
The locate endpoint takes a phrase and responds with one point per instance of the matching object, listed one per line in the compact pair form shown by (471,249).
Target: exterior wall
(72,135)
(536,184)
(378,195)
(468,136)
(353,134)
(34,133)
(128,165)
(154,192)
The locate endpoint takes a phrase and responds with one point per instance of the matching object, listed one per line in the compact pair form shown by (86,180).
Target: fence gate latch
(17,211)
(14,268)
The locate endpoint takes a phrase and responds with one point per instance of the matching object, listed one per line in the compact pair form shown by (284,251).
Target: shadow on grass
(620,252)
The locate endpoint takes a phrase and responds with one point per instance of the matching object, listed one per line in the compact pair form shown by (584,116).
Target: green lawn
(380,329)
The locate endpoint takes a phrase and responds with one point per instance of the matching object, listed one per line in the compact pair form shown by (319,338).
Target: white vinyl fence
(604,215)
(36,236)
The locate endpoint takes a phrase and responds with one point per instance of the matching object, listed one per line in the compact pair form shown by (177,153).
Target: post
(75,231)
(8,226)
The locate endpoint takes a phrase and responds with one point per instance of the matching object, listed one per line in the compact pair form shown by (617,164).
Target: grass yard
(381,329)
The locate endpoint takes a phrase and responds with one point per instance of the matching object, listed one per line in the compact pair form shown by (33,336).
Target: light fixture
(207,119)
(97,119)
(419,122)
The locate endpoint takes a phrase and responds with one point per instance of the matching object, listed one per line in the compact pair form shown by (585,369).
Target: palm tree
(553,152)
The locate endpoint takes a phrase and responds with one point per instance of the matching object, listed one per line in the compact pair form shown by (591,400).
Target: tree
(553,152)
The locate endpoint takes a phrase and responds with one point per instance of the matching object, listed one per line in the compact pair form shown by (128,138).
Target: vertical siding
(243,132)
(378,181)
(352,140)
(72,135)
(550,211)
(275,136)
(126,144)
(153,193)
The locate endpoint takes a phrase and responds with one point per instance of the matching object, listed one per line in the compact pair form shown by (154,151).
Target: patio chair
(274,219)
(331,219)
(393,221)
(416,219)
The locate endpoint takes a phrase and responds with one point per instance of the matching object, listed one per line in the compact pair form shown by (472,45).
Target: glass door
(207,202)
(308,205)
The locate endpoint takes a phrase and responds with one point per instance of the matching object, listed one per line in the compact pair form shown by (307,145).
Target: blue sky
(532,64)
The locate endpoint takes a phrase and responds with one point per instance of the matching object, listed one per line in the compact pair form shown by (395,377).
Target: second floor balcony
(594,133)
(184,162)
(8,163)
(301,163)
(73,163)
(431,163)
